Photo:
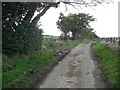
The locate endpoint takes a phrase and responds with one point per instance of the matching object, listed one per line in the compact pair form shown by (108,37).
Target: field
(20,71)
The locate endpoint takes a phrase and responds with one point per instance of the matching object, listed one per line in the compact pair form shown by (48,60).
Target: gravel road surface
(76,70)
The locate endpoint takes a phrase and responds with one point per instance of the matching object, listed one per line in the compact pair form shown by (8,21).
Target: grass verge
(109,63)
(17,71)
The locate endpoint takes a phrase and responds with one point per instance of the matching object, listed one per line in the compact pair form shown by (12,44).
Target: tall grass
(69,44)
(16,70)
(109,63)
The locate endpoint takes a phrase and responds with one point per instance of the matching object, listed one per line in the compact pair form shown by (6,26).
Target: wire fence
(113,40)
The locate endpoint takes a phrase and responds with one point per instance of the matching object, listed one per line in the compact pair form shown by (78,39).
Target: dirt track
(76,70)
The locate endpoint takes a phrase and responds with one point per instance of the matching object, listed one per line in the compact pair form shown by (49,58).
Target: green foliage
(19,36)
(109,63)
(69,44)
(25,40)
(16,69)
(53,42)
(78,24)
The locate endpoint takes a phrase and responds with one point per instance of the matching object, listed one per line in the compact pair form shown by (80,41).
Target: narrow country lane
(76,70)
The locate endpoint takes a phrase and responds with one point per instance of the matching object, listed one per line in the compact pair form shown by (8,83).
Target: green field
(17,70)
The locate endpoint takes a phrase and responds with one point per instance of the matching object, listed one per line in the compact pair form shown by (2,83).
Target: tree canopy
(78,24)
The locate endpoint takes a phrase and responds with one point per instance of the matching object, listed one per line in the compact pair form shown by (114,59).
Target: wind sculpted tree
(78,24)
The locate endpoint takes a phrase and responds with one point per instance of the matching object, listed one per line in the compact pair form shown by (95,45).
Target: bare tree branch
(66,7)
(36,19)
(85,2)
(73,6)
(79,3)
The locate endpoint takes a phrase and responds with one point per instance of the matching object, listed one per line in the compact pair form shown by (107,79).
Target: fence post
(114,40)
(118,41)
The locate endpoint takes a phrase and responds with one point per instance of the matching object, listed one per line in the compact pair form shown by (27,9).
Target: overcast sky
(106,24)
